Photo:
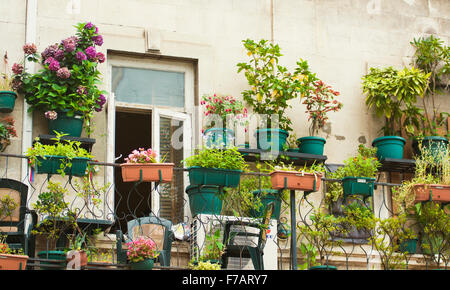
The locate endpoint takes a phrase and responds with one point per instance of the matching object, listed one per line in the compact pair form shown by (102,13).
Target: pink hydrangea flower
(54,65)
(29,48)
(51,115)
(17,68)
(63,73)
(91,52)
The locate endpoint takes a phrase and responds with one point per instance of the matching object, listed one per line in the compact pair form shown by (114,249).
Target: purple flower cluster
(81,90)
(80,56)
(70,44)
(51,115)
(49,52)
(91,52)
(54,65)
(29,48)
(100,101)
(63,73)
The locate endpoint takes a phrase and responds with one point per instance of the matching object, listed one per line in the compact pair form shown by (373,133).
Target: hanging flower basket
(13,262)
(147,172)
(295,180)
(432,192)
(52,165)
(214,176)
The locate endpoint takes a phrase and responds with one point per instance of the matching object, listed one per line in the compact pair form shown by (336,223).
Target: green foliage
(204,266)
(214,247)
(7,206)
(229,158)
(393,93)
(5,249)
(65,148)
(433,57)
(308,251)
(365,164)
(272,85)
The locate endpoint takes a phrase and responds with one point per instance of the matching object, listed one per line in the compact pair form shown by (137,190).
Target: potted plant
(63,157)
(319,101)
(306,179)
(142,165)
(223,113)
(272,86)
(213,166)
(8,86)
(393,93)
(57,219)
(142,253)
(6,132)
(359,173)
(431,56)
(291,146)
(66,86)
(213,249)
(11,259)
(204,199)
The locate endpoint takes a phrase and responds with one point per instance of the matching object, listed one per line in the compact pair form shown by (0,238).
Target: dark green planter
(409,246)
(271,139)
(323,267)
(219,137)
(271,195)
(52,164)
(7,101)
(358,186)
(204,200)
(53,255)
(147,264)
(435,144)
(73,126)
(389,147)
(312,145)
(214,176)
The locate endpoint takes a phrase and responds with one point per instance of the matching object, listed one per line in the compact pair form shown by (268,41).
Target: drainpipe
(27,118)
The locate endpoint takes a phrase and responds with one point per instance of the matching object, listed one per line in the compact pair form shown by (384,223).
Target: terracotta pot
(150,172)
(295,180)
(13,262)
(83,258)
(437,192)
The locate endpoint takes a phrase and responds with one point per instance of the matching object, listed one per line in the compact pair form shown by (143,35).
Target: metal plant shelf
(398,165)
(86,143)
(251,155)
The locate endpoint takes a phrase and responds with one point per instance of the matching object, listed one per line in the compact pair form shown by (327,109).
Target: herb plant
(217,158)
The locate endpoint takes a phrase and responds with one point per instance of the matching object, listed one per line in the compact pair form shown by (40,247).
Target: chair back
(12,192)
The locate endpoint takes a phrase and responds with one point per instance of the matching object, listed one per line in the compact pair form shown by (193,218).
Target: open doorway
(133,131)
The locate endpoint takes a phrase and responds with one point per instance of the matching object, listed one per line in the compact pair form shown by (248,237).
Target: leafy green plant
(309,252)
(433,57)
(214,247)
(393,93)
(204,266)
(272,86)
(7,206)
(58,216)
(365,164)
(5,249)
(229,158)
(66,148)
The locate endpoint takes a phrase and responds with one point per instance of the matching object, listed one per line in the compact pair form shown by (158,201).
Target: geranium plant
(318,103)
(225,107)
(141,249)
(6,132)
(272,86)
(142,156)
(69,78)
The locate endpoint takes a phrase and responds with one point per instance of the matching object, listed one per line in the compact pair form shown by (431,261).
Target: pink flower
(17,68)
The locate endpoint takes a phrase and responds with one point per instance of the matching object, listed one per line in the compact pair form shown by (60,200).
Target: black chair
(255,251)
(13,226)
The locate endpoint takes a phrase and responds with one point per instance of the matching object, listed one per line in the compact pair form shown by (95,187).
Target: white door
(172,140)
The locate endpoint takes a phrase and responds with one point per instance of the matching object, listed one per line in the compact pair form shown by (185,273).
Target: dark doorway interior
(133,131)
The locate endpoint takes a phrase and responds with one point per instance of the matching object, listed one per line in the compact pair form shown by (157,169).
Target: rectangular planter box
(435,192)
(295,180)
(131,172)
(52,164)
(214,176)
(358,186)
(13,262)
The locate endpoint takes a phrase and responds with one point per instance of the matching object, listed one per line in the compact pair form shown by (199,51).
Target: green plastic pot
(7,101)
(435,144)
(53,255)
(204,200)
(312,145)
(147,264)
(323,267)
(271,139)
(409,246)
(389,147)
(358,186)
(271,195)
(294,150)
(73,125)
(214,176)
(52,164)
(218,137)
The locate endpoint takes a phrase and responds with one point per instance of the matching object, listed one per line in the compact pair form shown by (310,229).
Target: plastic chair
(255,252)
(13,226)
(156,228)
